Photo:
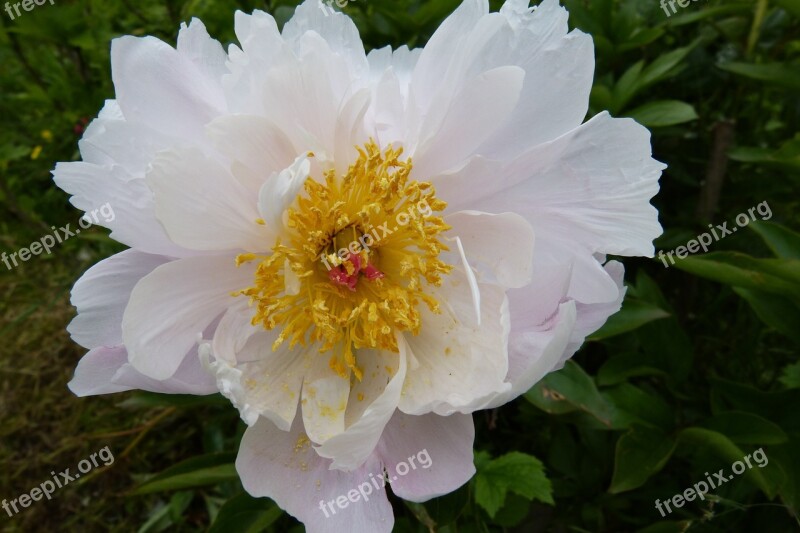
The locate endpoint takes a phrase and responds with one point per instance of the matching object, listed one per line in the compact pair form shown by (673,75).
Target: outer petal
(437,450)
(591,317)
(129,199)
(175,303)
(283,466)
(106,370)
(102,293)
(175,91)
(591,187)
(535,353)
(336,28)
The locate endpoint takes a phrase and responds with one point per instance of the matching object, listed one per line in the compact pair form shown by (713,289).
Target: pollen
(365,249)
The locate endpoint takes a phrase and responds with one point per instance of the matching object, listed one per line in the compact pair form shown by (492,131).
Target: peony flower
(342,243)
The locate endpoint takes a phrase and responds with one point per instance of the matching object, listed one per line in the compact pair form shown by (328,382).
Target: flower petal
(174,91)
(202,206)
(283,466)
(102,293)
(351,448)
(535,353)
(438,450)
(172,305)
(257,380)
(457,365)
(500,246)
(105,370)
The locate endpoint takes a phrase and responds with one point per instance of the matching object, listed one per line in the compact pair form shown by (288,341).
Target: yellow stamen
(371,216)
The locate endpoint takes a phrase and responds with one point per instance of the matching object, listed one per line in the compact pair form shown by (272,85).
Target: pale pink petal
(436,450)
(102,293)
(283,466)
(175,303)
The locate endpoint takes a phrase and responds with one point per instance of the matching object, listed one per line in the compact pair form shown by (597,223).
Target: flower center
(353,268)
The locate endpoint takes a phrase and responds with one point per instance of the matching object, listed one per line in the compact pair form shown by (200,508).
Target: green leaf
(699,14)
(781,74)
(571,389)
(792,6)
(783,242)
(444,510)
(635,405)
(626,87)
(767,479)
(778,406)
(517,472)
(634,314)
(785,158)
(778,276)
(791,376)
(245,514)
(777,312)
(663,113)
(623,366)
(664,66)
(746,428)
(641,452)
(195,472)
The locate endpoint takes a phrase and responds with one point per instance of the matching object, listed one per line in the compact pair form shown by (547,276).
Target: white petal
(102,293)
(283,466)
(459,365)
(500,246)
(127,199)
(96,369)
(172,305)
(205,53)
(436,450)
(535,353)
(352,447)
(259,381)
(337,29)
(591,317)
(165,88)
(560,68)
(588,190)
(254,142)
(106,370)
(324,401)
(280,191)
(483,104)
(202,206)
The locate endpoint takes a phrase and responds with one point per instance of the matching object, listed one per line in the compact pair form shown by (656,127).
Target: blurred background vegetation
(699,369)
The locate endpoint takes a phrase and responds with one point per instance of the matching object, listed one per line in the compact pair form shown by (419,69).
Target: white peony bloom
(342,243)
